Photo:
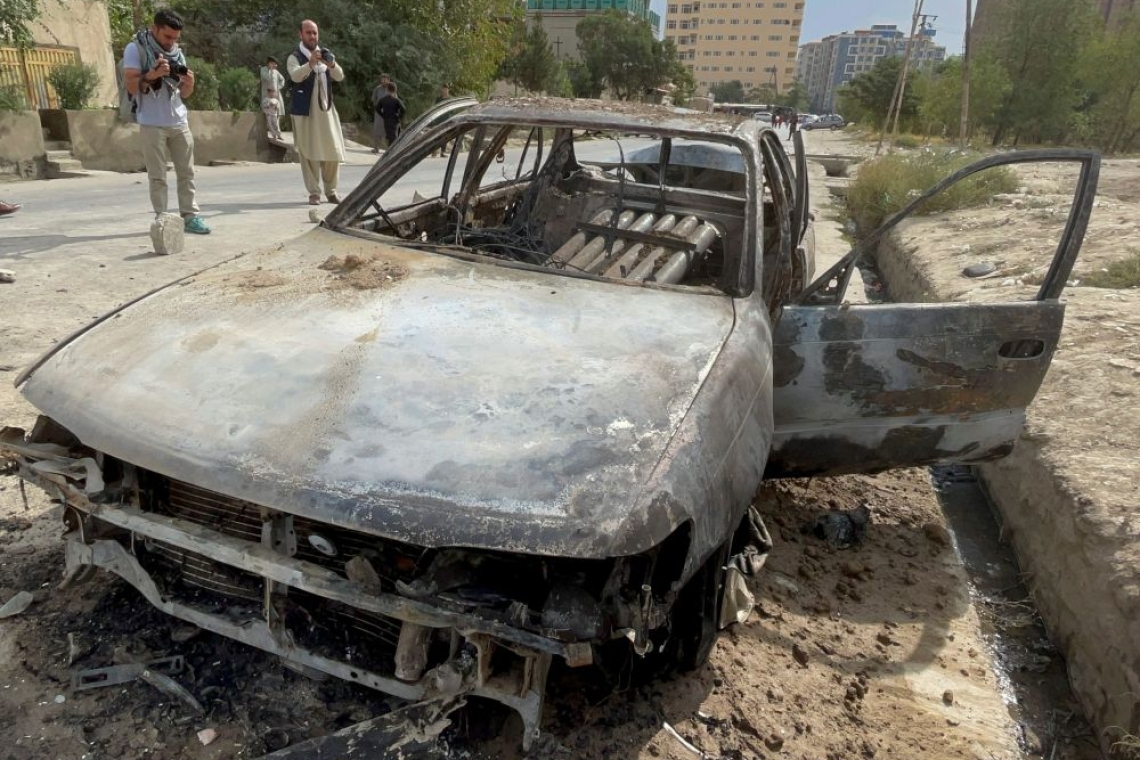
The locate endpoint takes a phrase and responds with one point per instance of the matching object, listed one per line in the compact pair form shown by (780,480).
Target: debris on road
(168,234)
(16,605)
(207,736)
(7,275)
(154,672)
(410,732)
(842,529)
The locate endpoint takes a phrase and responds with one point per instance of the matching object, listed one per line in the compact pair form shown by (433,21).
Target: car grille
(201,572)
(392,560)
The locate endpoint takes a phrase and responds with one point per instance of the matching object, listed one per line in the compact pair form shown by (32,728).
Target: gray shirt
(162,106)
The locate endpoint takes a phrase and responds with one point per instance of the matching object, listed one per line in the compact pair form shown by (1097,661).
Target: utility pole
(558,47)
(924,24)
(964,134)
(896,98)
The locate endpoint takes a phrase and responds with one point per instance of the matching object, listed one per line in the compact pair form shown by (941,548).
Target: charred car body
(508,407)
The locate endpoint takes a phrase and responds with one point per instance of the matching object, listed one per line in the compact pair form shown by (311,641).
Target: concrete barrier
(22,149)
(100,141)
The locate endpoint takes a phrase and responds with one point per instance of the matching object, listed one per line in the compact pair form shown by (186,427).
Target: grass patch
(884,186)
(1119,274)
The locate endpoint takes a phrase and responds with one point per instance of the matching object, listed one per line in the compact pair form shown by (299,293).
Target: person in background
(8,208)
(317,136)
(444,94)
(272,92)
(391,111)
(378,92)
(155,72)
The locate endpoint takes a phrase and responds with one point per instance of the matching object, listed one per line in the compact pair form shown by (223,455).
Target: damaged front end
(414,622)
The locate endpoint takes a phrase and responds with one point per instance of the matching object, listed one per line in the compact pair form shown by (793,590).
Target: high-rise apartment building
(560,19)
(825,66)
(753,41)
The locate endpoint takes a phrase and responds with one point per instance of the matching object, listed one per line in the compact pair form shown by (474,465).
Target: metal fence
(28,70)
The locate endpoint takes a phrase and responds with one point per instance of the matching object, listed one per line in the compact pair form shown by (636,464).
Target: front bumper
(486,658)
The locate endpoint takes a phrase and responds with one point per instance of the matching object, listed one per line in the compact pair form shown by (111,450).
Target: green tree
(15,16)
(867,97)
(531,64)
(238,90)
(205,95)
(1039,44)
(621,54)
(1115,100)
(728,92)
(939,94)
(583,82)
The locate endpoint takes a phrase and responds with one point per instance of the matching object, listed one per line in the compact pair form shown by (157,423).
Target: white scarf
(322,81)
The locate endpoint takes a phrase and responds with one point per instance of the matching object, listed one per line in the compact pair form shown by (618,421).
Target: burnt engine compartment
(611,221)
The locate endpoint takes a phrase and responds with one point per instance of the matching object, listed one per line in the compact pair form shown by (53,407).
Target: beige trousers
(174,144)
(314,172)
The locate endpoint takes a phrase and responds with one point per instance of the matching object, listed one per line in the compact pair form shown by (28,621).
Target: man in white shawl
(316,126)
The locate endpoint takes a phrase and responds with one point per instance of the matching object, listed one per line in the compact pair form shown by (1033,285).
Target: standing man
(391,110)
(155,72)
(316,125)
(272,88)
(377,123)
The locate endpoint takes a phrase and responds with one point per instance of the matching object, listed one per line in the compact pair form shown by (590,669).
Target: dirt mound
(364,271)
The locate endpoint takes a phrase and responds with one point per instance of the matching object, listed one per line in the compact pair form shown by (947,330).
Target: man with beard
(155,73)
(316,125)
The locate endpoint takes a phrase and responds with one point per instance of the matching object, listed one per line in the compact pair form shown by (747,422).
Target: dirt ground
(884,650)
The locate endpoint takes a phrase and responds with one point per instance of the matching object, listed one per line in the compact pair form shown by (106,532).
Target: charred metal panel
(462,404)
(869,387)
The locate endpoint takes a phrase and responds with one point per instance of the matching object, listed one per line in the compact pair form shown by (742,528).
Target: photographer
(156,75)
(317,136)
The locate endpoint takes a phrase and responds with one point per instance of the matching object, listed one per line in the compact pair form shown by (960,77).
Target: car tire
(695,616)
(834,127)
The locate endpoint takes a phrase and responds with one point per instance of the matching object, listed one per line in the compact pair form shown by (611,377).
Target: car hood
(422,397)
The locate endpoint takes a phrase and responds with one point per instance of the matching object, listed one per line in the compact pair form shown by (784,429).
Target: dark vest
(301,95)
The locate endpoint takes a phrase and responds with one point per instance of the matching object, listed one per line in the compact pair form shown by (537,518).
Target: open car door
(869,387)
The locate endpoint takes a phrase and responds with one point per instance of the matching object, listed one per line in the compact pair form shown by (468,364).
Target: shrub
(886,185)
(75,84)
(238,90)
(12,98)
(907,142)
(1124,273)
(205,95)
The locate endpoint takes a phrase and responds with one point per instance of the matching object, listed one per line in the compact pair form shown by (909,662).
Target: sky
(824,17)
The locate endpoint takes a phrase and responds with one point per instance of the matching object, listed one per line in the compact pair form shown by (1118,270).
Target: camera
(178,69)
(327,56)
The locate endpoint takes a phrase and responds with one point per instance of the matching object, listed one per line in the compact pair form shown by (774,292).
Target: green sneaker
(196,225)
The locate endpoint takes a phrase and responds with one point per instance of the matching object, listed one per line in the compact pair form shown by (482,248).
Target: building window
(671,25)
(728,68)
(684,24)
(686,9)
(775,37)
(672,8)
(773,54)
(753,53)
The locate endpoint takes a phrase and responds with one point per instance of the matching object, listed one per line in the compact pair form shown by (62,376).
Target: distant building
(751,41)
(825,66)
(560,19)
(65,32)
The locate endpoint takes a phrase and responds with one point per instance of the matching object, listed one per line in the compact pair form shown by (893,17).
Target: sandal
(314,200)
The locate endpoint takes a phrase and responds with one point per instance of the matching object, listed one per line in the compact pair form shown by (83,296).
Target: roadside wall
(100,141)
(21,144)
(84,26)
(1078,559)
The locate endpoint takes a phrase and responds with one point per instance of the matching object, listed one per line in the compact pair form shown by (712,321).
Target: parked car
(832,121)
(763,116)
(509,406)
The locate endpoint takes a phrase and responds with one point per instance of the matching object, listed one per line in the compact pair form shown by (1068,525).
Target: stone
(7,275)
(937,533)
(207,736)
(168,235)
(948,697)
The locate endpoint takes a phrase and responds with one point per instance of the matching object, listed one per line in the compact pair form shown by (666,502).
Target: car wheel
(834,127)
(695,616)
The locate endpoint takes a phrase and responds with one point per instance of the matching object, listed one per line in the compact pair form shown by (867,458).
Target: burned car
(508,405)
